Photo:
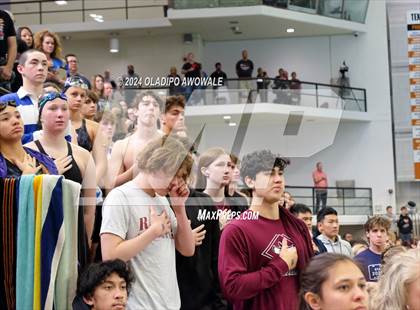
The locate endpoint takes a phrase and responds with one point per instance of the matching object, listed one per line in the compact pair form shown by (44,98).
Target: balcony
(351,10)
(310,95)
(354,201)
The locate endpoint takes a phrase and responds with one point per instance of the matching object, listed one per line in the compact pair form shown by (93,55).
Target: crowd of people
(161,226)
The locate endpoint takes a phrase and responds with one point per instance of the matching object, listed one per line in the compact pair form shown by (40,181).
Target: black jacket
(405,227)
(198,279)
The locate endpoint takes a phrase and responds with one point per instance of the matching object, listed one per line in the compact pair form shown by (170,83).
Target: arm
(236,281)
(115,167)
(11,55)
(113,246)
(99,155)
(184,238)
(89,197)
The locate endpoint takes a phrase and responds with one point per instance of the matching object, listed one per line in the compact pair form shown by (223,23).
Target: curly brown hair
(39,38)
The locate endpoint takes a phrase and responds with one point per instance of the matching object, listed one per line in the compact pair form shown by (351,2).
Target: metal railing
(309,94)
(47,11)
(341,9)
(345,200)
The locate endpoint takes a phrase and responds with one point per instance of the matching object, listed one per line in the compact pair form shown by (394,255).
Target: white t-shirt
(126,213)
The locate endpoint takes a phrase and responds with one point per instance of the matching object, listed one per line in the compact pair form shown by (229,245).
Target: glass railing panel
(331,8)
(307,6)
(355,10)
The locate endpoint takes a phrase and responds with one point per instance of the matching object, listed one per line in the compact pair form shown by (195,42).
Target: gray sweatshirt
(340,246)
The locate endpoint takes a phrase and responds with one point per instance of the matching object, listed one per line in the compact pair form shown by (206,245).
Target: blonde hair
(391,293)
(165,154)
(205,160)
(39,38)
(358,248)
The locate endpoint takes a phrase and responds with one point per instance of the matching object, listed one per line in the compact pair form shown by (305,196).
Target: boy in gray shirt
(139,225)
(327,223)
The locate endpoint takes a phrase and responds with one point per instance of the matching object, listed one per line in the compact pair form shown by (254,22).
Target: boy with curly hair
(260,259)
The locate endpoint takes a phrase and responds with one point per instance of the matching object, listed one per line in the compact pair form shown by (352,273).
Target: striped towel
(25,244)
(52,237)
(8,225)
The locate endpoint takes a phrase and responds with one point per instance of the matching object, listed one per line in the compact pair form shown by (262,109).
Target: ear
(20,69)
(249,182)
(204,171)
(88,300)
(312,300)
(319,226)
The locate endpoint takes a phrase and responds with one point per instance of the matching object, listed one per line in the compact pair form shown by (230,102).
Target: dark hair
(324,212)
(298,208)
(403,207)
(139,97)
(69,55)
(258,161)
(19,34)
(317,272)
(389,207)
(95,274)
(174,101)
(217,64)
(25,55)
(21,46)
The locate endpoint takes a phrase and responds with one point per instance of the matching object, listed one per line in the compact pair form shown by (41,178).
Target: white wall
(309,57)
(150,55)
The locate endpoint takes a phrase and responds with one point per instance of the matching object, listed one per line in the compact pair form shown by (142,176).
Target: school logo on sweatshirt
(274,248)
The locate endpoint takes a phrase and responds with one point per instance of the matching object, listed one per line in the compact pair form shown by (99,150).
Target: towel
(66,280)
(25,244)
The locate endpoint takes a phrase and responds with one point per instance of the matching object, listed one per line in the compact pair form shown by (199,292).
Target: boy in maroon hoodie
(260,259)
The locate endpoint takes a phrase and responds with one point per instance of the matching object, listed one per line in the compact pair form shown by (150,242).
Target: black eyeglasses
(4,104)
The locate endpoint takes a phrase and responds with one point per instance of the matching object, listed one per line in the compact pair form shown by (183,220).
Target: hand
(28,165)
(199,234)
(6,73)
(52,76)
(289,255)
(224,219)
(160,224)
(63,164)
(178,193)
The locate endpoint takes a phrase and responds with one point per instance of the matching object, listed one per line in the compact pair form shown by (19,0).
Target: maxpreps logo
(205,215)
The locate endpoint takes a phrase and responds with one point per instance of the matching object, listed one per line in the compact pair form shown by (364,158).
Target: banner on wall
(413,31)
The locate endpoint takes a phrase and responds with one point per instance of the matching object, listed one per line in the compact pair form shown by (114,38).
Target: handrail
(343,92)
(345,201)
(330,187)
(83,8)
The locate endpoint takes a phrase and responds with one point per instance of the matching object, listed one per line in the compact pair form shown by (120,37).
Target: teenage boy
(405,225)
(139,225)
(172,118)
(328,226)
(33,66)
(122,166)
(376,228)
(303,213)
(104,286)
(261,256)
